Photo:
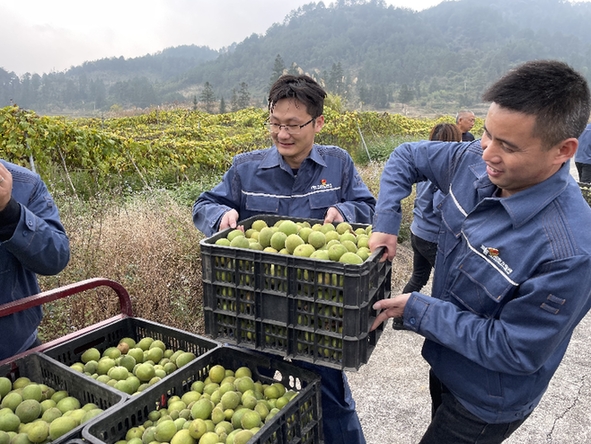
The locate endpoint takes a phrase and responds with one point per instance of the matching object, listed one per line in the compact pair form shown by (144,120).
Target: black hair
(446,132)
(552,91)
(302,88)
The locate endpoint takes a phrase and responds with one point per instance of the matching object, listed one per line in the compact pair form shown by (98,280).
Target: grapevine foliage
(171,140)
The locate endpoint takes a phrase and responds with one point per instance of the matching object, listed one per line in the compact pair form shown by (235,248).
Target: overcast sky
(42,36)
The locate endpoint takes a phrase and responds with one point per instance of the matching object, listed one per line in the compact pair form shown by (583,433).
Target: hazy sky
(42,36)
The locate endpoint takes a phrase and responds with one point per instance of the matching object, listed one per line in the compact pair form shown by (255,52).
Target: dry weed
(149,245)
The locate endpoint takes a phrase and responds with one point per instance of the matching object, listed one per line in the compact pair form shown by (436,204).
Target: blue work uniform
(261,182)
(426,220)
(32,241)
(583,154)
(512,279)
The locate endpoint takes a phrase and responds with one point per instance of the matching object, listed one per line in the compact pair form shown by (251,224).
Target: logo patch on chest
(493,254)
(323,185)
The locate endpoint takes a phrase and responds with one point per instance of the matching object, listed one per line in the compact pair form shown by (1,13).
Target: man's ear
(566,150)
(319,123)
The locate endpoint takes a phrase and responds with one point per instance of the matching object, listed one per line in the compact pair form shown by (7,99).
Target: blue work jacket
(512,279)
(583,154)
(261,182)
(39,245)
(426,220)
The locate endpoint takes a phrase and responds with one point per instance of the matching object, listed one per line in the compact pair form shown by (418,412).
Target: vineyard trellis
(172,139)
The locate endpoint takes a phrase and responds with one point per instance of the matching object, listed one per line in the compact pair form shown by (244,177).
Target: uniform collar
(274,159)
(524,205)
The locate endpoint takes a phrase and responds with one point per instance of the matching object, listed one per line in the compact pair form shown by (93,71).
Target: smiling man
(512,274)
(296,178)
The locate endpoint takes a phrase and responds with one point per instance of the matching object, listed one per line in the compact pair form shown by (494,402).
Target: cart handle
(68,290)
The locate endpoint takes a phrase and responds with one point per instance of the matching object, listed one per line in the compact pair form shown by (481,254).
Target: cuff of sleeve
(9,218)
(387,222)
(415,310)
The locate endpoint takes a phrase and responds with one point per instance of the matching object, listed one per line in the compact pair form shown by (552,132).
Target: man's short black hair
(550,90)
(303,88)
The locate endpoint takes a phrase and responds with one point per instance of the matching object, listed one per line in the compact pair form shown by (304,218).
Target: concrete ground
(392,392)
(393,403)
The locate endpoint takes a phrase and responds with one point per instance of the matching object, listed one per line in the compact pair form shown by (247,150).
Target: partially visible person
(511,279)
(424,228)
(296,178)
(32,241)
(465,121)
(583,156)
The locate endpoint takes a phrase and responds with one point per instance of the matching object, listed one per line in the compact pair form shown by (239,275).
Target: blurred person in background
(465,121)
(583,156)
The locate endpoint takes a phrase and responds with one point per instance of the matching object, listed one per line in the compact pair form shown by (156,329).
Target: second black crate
(300,421)
(109,335)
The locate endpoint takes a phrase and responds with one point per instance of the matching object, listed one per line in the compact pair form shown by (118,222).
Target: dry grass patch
(148,244)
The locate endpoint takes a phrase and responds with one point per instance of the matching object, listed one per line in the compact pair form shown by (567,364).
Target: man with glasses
(296,178)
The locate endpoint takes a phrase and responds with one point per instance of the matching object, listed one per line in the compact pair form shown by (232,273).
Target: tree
(98,94)
(364,94)
(336,79)
(234,101)
(195,102)
(207,97)
(294,69)
(222,105)
(278,70)
(243,96)
(405,94)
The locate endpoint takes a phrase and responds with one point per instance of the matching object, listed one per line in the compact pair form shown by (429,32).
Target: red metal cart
(62,292)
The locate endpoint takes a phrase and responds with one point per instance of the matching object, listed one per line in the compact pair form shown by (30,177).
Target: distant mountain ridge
(370,54)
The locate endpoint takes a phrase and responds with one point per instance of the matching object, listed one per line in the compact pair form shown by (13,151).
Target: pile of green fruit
(31,412)
(227,407)
(132,366)
(338,243)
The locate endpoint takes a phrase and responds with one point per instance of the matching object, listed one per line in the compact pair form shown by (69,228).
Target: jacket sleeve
(358,204)
(211,205)
(410,163)
(39,241)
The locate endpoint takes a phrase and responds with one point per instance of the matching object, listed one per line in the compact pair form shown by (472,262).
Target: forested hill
(370,54)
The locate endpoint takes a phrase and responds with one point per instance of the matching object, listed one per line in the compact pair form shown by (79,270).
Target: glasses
(275,128)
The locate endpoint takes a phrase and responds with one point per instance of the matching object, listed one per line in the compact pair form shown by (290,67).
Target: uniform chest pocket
(6,262)
(323,199)
(262,204)
(481,287)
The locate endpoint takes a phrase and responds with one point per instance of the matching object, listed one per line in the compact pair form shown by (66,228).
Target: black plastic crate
(300,421)
(301,308)
(136,328)
(42,370)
